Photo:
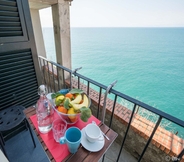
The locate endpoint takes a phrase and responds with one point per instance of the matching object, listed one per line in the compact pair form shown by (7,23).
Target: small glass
(59,127)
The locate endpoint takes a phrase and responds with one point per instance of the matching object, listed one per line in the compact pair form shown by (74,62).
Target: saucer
(93,147)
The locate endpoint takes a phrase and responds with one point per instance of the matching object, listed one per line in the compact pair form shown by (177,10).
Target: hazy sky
(122,13)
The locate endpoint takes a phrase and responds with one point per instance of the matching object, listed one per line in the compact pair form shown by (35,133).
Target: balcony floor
(20,149)
(112,154)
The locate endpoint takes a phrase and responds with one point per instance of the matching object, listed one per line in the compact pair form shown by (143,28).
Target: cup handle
(62,140)
(101,138)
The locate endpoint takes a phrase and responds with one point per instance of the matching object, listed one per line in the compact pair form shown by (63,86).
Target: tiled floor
(112,154)
(20,148)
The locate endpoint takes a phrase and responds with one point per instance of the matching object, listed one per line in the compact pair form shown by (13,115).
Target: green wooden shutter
(19,67)
(17,79)
(12,22)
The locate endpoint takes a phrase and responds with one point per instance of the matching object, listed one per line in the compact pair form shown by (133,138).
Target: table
(82,154)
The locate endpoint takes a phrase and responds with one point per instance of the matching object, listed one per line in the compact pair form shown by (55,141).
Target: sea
(148,63)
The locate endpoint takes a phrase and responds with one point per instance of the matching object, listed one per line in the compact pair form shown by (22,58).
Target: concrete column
(35,17)
(61,24)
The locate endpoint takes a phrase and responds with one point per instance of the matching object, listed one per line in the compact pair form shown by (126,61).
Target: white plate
(93,147)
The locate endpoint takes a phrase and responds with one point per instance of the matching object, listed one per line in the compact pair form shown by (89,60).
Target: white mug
(93,133)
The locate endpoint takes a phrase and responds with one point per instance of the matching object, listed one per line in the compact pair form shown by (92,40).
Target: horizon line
(120,27)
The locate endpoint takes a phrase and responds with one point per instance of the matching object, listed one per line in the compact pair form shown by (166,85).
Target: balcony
(139,139)
(142,137)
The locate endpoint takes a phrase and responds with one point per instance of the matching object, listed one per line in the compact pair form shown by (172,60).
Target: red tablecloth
(58,151)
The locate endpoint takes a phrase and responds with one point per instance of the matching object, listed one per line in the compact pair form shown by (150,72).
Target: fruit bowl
(69,106)
(70,119)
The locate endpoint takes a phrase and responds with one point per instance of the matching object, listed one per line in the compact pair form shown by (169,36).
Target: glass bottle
(44,111)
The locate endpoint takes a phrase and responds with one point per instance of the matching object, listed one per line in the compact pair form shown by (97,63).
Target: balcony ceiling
(40,4)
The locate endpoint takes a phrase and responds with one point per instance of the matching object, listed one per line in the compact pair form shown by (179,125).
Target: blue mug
(72,138)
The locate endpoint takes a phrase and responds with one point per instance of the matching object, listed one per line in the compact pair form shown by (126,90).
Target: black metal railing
(57,77)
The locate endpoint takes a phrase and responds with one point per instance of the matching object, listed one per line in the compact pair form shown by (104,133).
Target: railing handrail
(128,98)
(150,108)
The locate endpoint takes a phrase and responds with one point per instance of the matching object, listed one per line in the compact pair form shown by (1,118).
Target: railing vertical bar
(88,87)
(103,158)
(150,138)
(113,108)
(40,63)
(131,117)
(44,73)
(49,87)
(70,80)
(78,83)
(179,157)
(63,77)
(99,99)
(53,77)
(58,80)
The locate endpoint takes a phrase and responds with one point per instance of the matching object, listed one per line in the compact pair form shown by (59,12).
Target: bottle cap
(42,90)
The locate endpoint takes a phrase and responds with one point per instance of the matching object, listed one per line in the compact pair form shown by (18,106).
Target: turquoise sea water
(147,62)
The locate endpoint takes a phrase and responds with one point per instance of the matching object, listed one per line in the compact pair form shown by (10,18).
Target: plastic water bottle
(44,111)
